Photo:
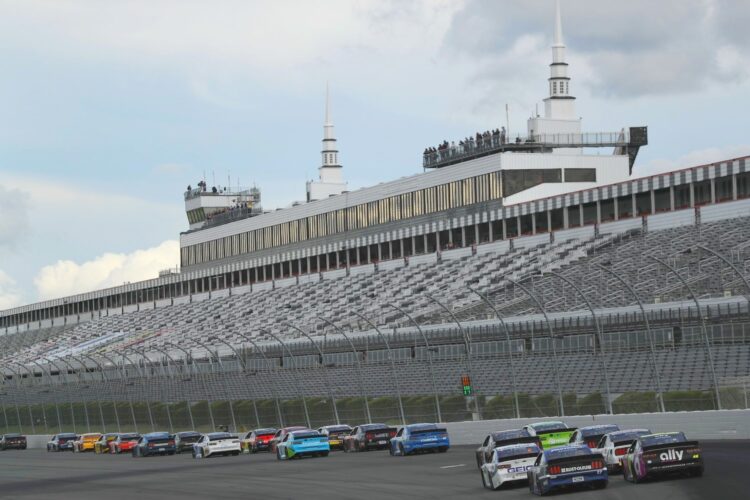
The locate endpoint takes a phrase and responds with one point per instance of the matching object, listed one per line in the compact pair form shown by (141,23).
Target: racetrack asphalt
(36,474)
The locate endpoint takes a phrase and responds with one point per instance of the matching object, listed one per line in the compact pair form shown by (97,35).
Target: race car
(416,438)
(660,454)
(551,434)
(298,444)
(280,433)
(567,466)
(123,443)
(592,434)
(509,463)
(154,443)
(86,442)
(368,437)
(335,435)
(61,442)
(486,451)
(614,446)
(184,441)
(12,441)
(257,440)
(216,443)
(102,444)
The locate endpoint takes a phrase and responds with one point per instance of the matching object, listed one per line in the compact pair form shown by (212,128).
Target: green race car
(552,433)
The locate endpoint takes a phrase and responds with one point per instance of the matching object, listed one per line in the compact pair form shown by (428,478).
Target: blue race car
(417,438)
(297,444)
(567,466)
(155,443)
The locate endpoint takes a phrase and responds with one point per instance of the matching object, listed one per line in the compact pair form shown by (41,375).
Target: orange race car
(86,442)
(123,443)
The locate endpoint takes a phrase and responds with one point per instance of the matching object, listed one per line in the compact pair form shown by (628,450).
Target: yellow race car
(86,442)
(102,445)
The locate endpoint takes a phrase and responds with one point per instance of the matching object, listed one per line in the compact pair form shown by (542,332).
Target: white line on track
(452,466)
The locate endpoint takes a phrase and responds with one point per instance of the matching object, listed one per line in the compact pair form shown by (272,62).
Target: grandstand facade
(542,273)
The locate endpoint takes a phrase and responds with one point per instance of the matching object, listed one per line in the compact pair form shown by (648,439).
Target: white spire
(330,154)
(558,26)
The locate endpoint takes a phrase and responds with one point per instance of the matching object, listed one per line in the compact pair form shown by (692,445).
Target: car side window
(400,432)
(486,441)
(538,460)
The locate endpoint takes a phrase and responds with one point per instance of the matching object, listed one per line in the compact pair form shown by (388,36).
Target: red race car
(258,440)
(124,443)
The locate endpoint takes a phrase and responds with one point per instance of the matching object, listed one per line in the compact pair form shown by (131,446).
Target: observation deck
(626,142)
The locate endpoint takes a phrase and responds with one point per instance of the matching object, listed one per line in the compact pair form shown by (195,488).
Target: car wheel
(485,482)
(278,454)
(600,485)
(442,449)
(697,472)
(401,450)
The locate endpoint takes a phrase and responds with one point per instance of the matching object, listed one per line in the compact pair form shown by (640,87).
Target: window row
(395,208)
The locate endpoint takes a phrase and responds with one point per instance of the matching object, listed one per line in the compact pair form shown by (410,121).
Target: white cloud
(66,277)
(9,294)
(692,159)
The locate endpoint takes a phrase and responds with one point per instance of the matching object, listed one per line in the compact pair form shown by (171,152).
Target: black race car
(184,441)
(368,437)
(12,441)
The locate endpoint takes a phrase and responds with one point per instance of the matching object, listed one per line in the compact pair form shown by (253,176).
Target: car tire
(401,450)
(600,485)
(324,454)
(278,455)
(442,449)
(484,479)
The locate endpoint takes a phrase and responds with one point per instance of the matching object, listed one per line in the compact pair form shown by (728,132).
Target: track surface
(36,474)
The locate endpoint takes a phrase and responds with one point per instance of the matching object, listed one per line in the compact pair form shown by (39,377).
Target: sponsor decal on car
(671,455)
(576,468)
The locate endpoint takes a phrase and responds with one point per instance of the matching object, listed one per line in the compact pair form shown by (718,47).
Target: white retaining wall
(721,424)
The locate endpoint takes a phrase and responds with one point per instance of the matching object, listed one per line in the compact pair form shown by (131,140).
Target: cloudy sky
(109,109)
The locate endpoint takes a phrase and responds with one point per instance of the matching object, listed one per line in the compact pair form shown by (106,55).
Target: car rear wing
(570,430)
(666,446)
(521,440)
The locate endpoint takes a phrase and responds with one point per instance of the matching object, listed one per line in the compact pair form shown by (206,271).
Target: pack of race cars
(547,455)
(552,456)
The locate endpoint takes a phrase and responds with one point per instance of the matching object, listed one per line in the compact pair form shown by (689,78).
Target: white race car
(509,463)
(216,443)
(614,446)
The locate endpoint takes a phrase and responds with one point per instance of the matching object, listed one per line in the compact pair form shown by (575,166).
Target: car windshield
(657,439)
(598,430)
(626,436)
(339,428)
(160,436)
(373,427)
(567,452)
(549,426)
(514,434)
(516,452)
(218,436)
(188,434)
(429,430)
(306,435)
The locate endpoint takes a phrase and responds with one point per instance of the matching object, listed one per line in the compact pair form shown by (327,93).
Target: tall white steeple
(330,154)
(559,106)
(330,181)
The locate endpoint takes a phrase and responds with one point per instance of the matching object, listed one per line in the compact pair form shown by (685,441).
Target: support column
(671,198)
(598,211)
(713,190)
(549,221)
(652,192)
(566,218)
(580,214)
(505,230)
(734,187)
(463,236)
(616,206)
(634,211)
(533,223)
(413,245)
(692,195)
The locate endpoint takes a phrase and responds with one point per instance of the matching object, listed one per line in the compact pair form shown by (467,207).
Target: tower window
(554,87)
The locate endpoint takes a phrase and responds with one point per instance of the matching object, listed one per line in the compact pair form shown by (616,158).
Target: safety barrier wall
(723,424)
(718,424)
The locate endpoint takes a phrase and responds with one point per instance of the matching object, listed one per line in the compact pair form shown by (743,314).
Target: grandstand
(552,279)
